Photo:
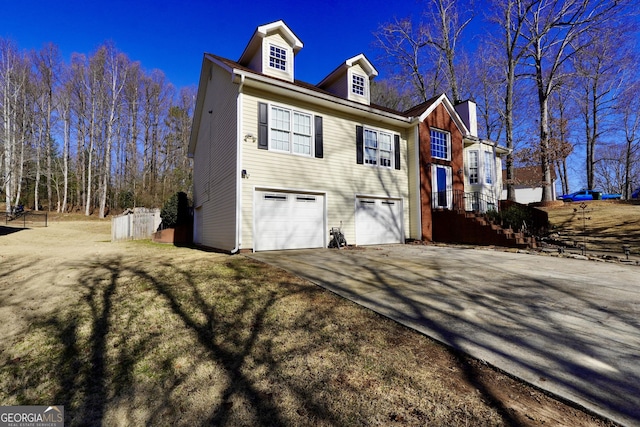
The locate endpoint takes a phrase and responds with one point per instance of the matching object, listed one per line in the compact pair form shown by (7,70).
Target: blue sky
(173,35)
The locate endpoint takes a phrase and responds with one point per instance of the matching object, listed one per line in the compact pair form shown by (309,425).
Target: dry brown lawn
(138,333)
(604,225)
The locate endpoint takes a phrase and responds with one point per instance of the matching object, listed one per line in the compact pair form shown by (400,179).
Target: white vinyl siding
(335,175)
(357,84)
(215,165)
(277,57)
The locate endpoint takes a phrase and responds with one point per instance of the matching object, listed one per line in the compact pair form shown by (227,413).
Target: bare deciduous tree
(401,42)
(555,31)
(447,20)
(599,73)
(510,16)
(628,107)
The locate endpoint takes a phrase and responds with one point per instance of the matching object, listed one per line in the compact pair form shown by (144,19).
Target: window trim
(488,168)
(378,148)
(285,61)
(360,85)
(473,181)
(447,143)
(291,132)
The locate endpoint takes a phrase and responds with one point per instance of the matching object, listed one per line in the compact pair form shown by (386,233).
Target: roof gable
(263,31)
(341,80)
(422,111)
(259,55)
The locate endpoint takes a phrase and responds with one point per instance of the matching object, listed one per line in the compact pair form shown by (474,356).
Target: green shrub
(126,199)
(175,211)
(494,216)
(516,217)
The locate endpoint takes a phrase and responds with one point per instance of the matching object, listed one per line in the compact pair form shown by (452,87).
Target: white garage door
(378,221)
(288,221)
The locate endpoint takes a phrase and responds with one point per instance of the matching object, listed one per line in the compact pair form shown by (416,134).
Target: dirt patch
(138,333)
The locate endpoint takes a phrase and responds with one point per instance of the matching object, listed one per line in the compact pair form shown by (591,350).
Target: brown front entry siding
(439,119)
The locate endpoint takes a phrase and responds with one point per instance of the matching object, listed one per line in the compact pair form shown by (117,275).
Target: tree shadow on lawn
(122,344)
(519,306)
(217,342)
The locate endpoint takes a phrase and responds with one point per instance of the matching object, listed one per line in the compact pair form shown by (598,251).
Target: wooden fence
(140,223)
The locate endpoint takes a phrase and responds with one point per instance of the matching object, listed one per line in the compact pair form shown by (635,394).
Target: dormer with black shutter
(351,80)
(271,51)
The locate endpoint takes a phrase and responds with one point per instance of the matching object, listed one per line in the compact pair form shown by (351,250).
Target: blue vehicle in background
(636,194)
(585,195)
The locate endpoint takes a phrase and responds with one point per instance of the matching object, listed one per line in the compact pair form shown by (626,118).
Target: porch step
(469,227)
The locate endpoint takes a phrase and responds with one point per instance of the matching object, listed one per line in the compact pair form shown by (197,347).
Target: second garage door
(378,221)
(288,221)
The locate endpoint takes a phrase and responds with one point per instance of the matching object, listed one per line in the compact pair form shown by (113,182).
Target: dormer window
(358,84)
(278,58)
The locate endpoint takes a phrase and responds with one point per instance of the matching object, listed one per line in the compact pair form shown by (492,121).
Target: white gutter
(270,84)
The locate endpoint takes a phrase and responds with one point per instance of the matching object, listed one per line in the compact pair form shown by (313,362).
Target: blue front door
(441,186)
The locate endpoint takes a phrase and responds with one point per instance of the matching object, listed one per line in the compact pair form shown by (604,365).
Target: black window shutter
(396,150)
(318,130)
(359,145)
(263,126)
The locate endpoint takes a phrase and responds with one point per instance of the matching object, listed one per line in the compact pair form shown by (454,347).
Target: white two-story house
(278,162)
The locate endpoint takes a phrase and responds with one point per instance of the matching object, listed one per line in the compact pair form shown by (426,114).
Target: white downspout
(418,191)
(239,115)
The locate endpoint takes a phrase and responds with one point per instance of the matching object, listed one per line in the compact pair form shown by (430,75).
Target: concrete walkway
(570,327)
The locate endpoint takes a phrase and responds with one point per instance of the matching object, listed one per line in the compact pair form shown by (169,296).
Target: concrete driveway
(567,326)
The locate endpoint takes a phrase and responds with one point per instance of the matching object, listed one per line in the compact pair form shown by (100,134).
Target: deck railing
(464,201)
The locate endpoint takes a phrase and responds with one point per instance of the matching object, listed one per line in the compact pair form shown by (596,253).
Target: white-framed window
(386,149)
(358,85)
(290,131)
(370,147)
(441,186)
(488,167)
(278,57)
(440,144)
(473,167)
(378,148)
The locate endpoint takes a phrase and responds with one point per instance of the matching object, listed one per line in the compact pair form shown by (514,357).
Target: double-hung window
(473,167)
(440,144)
(386,147)
(290,131)
(358,85)
(370,147)
(278,57)
(488,167)
(378,148)
(301,133)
